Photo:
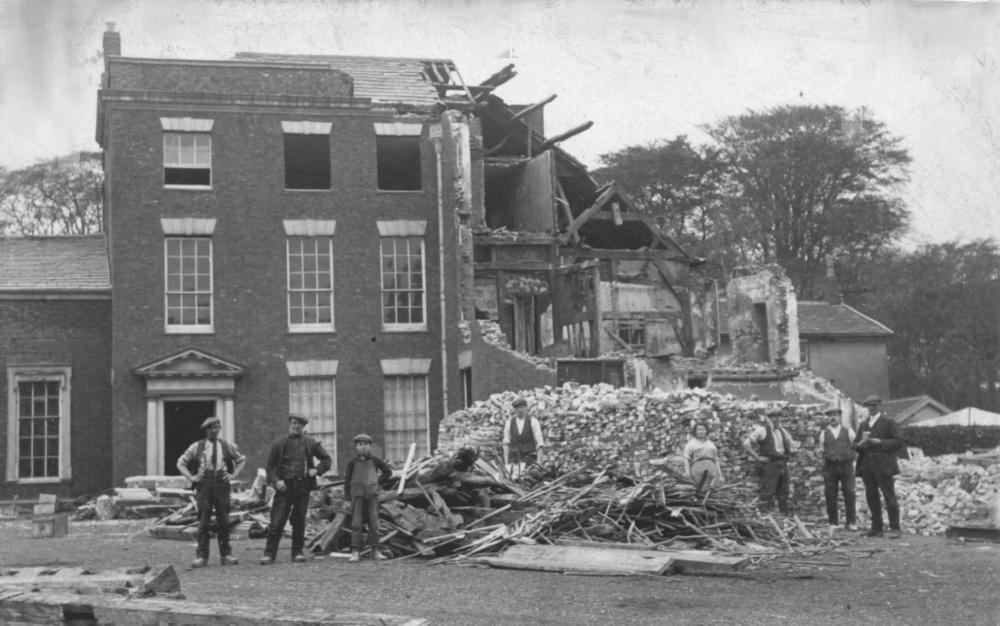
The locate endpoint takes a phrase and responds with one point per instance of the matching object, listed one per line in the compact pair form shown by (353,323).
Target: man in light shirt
(838,468)
(211,464)
(522,440)
(775,446)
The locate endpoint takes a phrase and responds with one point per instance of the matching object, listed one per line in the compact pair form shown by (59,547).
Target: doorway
(181,427)
(760,321)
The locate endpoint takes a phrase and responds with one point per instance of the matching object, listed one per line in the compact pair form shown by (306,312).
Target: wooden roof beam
(549,143)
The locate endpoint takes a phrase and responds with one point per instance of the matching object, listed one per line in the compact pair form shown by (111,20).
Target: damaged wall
(763,316)
(496,368)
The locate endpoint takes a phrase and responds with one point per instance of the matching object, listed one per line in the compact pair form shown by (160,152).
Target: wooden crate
(46,526)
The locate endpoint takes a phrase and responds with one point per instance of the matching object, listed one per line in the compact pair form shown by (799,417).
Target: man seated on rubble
(522,440)
(454,468)
(775,446)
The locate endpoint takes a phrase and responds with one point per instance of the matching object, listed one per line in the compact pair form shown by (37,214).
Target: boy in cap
(522,440)
(361,488)
(211,464)
(776,446)
(292,471)
(838,467)
(877,442)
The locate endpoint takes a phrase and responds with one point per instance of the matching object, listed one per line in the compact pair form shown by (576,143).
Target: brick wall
(74,333)
(497,369)
(249,202)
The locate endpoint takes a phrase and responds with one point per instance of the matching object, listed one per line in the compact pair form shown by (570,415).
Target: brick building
(55,354)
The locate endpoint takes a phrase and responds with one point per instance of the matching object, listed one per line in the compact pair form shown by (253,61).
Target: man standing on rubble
(835,442)
(775,447)
(211,464)
(877,442)
(522,440)
(291,470)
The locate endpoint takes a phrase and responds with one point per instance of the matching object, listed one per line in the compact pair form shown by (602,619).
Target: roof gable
(68,263)
(902,410)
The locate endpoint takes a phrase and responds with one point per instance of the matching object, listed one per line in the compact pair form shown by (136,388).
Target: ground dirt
(913,580)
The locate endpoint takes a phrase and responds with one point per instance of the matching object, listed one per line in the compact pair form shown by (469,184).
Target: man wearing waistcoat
(775,448)
(877,442)
(835,441)
(522,440)
(211,464)
(292,471)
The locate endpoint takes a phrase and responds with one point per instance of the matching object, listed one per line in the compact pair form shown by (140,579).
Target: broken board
(685,560)
(58,608)
(982,533)
(145,579)
(579,559)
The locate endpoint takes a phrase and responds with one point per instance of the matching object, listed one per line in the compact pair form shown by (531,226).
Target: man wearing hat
(838,467)
(211,464)
(292,471)
(775,448)
(522,440)
(877,442)
(361,488)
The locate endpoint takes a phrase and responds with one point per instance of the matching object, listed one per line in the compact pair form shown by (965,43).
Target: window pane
(310,280)
(402,280)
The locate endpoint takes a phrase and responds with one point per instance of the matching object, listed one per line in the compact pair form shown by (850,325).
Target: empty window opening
(307,161)
(398,162)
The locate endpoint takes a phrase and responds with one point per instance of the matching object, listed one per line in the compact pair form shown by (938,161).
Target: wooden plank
(685,560)
(49,608)
(576,559)
(158,579)
(987,533)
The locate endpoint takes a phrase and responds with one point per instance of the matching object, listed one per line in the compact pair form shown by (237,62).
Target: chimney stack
(112,42)
(831,286)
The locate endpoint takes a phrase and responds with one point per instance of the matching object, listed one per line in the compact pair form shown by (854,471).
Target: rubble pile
(602,426)
(937,492)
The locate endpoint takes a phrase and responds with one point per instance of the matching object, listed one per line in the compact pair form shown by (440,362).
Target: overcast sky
(639,70)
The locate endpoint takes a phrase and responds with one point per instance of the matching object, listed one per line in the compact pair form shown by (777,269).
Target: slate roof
(825,319)
(902,409)
(386,80)
(62,263)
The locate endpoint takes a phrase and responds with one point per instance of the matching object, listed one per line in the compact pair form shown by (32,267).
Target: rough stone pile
(603,426)
(938,492)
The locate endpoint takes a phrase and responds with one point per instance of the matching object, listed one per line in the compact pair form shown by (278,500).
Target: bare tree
(62,196)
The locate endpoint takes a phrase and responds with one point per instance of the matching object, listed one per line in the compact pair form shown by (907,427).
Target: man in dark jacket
(877,443)
(361,488)
(292,472)
(211,464)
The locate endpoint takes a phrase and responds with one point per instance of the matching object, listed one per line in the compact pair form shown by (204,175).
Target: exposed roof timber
(500,77)
(607,191)
(523,112)
(549,143)
(530,108)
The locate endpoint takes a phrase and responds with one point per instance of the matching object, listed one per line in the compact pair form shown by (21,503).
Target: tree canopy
(790,185)
(62,196)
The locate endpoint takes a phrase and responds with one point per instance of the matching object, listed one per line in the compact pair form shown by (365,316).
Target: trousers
(874,483)
(364,509)
(291,503)
(838,476)
(212,495)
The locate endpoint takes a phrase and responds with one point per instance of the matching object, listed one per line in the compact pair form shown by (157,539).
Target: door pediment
(190,363)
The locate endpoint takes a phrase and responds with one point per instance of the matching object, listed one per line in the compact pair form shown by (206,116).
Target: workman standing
(522,440)
(775,446)
(292,470)
(877,443)
(211,464)
(835,450)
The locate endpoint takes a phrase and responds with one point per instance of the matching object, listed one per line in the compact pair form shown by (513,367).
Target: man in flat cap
(211,464)
(362,484)
(838,467)
(775,447)
(877,443)
(292,471)
(522,440)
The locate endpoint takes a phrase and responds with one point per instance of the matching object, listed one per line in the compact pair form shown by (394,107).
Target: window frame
(194,166)
(323,327)
(403,326)
(23,374)
(188,329)
(386,378)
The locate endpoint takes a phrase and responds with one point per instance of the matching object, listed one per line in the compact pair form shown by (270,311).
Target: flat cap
(774,412)
(298,418)
(833,410)
(519,402)
(209,421)
(873,399)
(362,437)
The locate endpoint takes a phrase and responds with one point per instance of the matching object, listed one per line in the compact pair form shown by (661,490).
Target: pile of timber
(637,432)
